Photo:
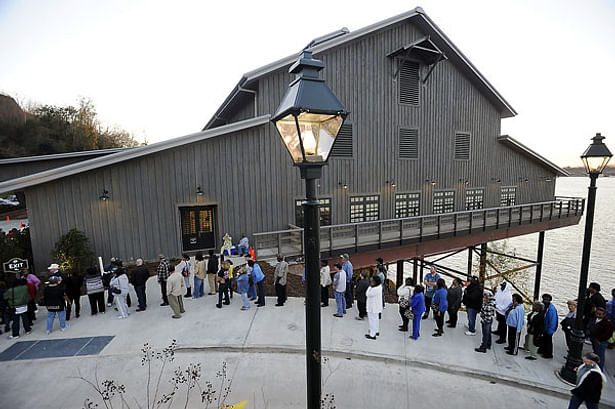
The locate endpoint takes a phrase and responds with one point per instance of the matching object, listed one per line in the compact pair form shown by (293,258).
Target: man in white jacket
(374,307)
(503,298)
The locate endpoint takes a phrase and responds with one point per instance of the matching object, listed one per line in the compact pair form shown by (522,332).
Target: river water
(563,247)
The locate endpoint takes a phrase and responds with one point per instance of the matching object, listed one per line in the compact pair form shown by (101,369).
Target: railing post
(421,229)
(520,215)
(497,219)
(279,243)
(356,238)
(568,213)
(560,209)
(542,208)
(380,234)
(551,211)
(509,216)
(438,236)
(401,232)
(484,220)
(470,223)
(455,226)
(330,240)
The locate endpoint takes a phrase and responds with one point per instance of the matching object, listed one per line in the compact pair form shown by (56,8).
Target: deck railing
(418,228)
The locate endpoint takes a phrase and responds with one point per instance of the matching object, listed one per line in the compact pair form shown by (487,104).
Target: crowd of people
(501,313)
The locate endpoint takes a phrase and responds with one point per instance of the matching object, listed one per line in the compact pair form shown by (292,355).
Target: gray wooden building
(422,139)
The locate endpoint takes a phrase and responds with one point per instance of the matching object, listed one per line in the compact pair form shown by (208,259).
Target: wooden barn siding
(16,170)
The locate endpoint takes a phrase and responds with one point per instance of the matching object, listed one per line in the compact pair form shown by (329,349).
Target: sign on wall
(14,265)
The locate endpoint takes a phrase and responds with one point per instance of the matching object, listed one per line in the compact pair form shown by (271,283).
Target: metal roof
(65,155)
(126,154)
(521,148)
(422,20)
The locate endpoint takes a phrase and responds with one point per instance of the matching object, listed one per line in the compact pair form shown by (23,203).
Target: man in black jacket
(590,381)
(139,277)
(360,296)
(73,283)
(473,300)
(594,300)
(212,271)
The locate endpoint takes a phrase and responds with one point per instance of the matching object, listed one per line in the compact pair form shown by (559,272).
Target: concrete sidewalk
(265,349)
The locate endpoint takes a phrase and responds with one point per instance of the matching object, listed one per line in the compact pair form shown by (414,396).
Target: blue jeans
(340,302)
(472,319)
(575,402)
(246,303)
(242,250)
(600,349)
(51,316)
(199,289)
(416,326)
(486,329)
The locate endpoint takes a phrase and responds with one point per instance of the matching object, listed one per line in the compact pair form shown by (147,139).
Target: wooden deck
(358,237)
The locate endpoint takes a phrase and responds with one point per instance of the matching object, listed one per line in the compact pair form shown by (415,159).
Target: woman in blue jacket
(440,306)
(417,303)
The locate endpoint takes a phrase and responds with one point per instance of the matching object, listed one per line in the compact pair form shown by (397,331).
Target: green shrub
(72,251)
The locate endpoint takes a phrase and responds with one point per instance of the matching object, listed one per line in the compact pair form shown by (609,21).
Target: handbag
(408,313)
(116,290)
(404,303)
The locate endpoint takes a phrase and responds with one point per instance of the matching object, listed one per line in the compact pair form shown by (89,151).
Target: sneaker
(470,333)
(28,332)
(338,316)
(48,332)
(218,306)
(108,304)
(358,318)
(483,350)
(13,337)
(531,358)
(65,328)
(244,309)
(369,336)
(164,304)
(500,341)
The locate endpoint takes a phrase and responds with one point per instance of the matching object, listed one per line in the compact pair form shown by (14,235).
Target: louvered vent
(342,148)
(462,146)
(408,82)
(408,143)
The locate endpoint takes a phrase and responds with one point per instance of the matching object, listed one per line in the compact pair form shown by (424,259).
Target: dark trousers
(404,320)
(76,302)
(452,316)
(223,291)
(362,307)
(24,319)
(575,402)
(260,289)
(513,340)
(439,316)
(486,332)
(31,309)
(141,297)
(427,305)
(280,291)
(110,296)
(348,294)
(97,302)
(230,287)
(502,328)
(324,295)
(546,348)
(163,290)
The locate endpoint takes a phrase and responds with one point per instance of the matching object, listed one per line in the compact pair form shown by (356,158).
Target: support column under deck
(470,253)
(541,248)
(415,271)
(482,268)
(399,280)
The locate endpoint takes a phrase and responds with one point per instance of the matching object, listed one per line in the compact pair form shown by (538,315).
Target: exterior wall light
(105,195)
(199,191)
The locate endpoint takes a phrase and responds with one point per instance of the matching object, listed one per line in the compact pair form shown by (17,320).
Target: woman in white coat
(120,283)
(374,307)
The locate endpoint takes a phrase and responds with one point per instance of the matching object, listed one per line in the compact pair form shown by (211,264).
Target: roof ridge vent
(327,37)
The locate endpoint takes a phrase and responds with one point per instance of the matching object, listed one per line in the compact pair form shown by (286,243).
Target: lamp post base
(574,358)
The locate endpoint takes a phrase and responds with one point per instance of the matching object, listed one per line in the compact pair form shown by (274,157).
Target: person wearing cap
(550,326)
(430,281)
(119,287)
(589,385)
(54,270)
(55,300)
(163,275)
(17,297)
(487,312)
(349,271)
(176,287)
(600,330)
(138,278)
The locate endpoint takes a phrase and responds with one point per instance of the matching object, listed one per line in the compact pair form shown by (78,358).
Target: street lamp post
(595,159)
(308,120)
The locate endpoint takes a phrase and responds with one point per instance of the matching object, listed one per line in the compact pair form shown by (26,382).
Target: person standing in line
(231,277)
(487,312)
(590,382)
(594,300)
(361,295)
(184,268)
(119,286)
(430,281)
(73,282)
(403,299)
(163,275)
(258,278)
(417,303)
(535,330)
(567,323)
(280,276)
(550,326)
(503,298)
(600,330)
(54,270)
(222,285)
(455,294)
(243,283)
(374,307)
(227,244)
(244,245)
(349,270)
(95,290)
(383,273)
(473,300)
(32,282)
(325,282)
(200,273)
(212,272)
(339,290)
(55,301)
(139,277)
(515,316)
(252,287)
(176,287)
(440,305)
(17,297)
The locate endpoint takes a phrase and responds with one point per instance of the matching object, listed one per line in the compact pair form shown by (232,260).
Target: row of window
(408,144)
(367,208)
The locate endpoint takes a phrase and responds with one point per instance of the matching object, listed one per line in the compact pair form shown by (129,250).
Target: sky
(160,69)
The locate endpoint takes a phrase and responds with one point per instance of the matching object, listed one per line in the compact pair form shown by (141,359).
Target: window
(508,195)
(462,146)
(325,212)
(342,147)
(444,201)
(474,199)
(408,143)
(408,82)
(364,208)
(407,204)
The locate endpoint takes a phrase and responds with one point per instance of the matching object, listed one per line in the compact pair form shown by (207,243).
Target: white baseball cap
(53,267)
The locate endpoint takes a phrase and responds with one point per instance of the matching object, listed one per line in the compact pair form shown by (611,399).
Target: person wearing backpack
(17,298)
